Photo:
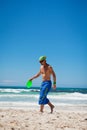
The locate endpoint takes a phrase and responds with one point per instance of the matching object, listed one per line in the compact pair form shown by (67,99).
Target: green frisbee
(29,84)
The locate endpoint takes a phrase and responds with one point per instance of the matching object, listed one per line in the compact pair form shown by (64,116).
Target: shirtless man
(46,71)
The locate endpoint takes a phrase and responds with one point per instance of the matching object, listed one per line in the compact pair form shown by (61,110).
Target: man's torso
(45,72)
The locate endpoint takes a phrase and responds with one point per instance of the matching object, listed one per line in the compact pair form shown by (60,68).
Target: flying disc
(29,84)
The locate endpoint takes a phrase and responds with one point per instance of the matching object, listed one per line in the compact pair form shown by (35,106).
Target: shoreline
(25,106)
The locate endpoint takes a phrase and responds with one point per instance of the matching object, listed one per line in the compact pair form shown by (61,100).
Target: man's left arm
(54,78)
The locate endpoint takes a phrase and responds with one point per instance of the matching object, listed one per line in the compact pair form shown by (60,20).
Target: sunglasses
(41,61)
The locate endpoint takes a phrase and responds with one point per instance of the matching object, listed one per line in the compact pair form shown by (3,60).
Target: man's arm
(54,77)
(35,76)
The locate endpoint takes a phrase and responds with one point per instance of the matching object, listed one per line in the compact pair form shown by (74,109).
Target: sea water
(15,96)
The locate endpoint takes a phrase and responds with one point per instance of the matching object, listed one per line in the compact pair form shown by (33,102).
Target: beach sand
(32,119)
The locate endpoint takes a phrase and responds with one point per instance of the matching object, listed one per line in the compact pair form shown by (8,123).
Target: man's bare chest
(45,70)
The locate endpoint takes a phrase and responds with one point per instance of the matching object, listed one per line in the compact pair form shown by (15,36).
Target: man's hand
(31,79)
(54,86)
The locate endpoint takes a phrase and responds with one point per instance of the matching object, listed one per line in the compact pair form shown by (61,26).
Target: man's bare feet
(41,108)
(41,111)
(52,107)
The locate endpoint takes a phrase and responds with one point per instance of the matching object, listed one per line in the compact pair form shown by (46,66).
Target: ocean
(19,96)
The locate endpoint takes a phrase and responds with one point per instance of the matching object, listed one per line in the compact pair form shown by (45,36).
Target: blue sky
(55,28)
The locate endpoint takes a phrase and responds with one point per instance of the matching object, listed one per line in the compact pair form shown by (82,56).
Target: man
(46,71)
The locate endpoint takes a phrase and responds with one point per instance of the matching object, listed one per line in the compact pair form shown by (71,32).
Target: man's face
(43,62)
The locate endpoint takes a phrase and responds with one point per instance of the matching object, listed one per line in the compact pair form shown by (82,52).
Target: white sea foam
(27,97)
(14,90)
(69,96)
(19,96)
(27,93)
(51,95)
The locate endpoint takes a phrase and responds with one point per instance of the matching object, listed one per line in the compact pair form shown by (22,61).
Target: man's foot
(41,111)
(52,107)
(41,108)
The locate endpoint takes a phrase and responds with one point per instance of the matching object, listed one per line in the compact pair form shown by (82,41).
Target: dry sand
(25,119)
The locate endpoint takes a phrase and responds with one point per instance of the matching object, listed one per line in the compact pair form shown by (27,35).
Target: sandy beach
(32,119)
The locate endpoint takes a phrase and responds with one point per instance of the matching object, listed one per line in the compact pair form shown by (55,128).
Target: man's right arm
(36,76)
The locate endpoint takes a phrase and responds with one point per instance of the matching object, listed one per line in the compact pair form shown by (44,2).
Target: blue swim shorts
(45,88)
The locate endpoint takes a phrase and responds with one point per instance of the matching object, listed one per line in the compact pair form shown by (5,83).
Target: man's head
(42,60)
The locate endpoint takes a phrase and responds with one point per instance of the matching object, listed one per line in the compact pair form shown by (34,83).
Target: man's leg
(51,106)
(41,108)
